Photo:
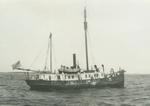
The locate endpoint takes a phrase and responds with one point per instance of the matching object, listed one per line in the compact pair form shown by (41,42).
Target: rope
(90,45)
(35,59)
(54,54)
(46,58)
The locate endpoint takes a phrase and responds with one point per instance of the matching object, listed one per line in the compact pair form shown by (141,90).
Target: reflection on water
(15,92)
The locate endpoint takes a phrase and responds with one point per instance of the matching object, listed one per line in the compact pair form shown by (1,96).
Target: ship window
(89,75)
(49,77)
(95,75)
(58,77)
(72,76)
(68,77)
(85,76)
(37,77)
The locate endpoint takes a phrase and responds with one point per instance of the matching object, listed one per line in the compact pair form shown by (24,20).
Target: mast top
(85,21)
(50,36)
(85,13)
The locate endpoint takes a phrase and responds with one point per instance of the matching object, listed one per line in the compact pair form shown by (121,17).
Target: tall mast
(50,38)
(86,45)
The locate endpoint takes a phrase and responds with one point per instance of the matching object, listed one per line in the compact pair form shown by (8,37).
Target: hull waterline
(43,85)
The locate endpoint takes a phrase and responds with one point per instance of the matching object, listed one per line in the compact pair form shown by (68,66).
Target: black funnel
(74,60)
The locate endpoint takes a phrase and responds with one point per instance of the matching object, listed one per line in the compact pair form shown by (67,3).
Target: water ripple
(15,92)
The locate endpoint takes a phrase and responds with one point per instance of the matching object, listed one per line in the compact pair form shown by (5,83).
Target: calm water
(15,92)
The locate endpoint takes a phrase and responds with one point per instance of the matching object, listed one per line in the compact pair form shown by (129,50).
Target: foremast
(50,38)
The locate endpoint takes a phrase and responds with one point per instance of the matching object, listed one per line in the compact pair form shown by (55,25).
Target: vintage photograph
(74,53)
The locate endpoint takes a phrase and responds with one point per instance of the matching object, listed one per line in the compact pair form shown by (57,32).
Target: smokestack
(74,60)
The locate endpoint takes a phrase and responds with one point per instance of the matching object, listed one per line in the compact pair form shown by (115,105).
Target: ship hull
(43,85)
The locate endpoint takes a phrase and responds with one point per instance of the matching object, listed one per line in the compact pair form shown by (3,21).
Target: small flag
(16,65)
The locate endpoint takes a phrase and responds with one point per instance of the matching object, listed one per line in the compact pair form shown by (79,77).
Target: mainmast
(86,45)
(50,38)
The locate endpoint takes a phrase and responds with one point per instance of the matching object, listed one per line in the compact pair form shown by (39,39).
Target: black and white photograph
(74,53)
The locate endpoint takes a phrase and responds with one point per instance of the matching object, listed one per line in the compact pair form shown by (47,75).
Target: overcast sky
(118,33)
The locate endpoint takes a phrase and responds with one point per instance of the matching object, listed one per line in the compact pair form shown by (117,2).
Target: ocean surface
(15,92)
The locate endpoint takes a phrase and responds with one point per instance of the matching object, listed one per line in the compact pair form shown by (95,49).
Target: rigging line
(46,58)
(54,54)
(90,44)
(37,56)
